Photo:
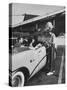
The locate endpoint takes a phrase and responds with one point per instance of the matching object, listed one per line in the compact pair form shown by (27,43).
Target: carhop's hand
(47,44)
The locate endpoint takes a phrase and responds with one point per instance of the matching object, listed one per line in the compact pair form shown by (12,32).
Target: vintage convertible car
(25,62)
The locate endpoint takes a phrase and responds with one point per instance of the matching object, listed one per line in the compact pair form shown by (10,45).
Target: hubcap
(16,81)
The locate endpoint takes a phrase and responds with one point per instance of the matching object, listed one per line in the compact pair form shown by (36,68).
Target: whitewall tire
(18,79)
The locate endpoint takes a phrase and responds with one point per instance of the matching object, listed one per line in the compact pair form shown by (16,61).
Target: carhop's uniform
(47,38)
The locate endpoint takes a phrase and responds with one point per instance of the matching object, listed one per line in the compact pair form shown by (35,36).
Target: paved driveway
(42,79)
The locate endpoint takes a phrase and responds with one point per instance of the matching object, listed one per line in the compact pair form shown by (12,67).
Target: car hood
(20,49)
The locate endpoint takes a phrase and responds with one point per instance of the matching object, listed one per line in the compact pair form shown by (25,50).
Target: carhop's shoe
(50,73)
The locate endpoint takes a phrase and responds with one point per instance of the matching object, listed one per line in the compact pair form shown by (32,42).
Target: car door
(41,57)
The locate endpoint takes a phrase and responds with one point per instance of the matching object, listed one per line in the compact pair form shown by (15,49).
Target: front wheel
(18,79)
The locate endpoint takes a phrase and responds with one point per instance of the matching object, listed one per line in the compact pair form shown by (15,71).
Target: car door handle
(39,51)
(32,60)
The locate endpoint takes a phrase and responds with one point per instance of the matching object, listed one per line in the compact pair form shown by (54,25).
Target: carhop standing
(47,37)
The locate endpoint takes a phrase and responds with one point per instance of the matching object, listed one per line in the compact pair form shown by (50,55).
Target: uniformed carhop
(47,38)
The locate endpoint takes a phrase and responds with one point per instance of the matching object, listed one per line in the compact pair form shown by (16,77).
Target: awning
(18,21)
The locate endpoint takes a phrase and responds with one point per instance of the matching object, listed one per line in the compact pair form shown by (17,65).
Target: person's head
(48,26)
(39,38)
(21,40)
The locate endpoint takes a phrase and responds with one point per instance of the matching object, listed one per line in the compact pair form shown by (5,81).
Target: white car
(25,62)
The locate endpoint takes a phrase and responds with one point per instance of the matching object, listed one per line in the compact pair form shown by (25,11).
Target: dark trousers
(50,58)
